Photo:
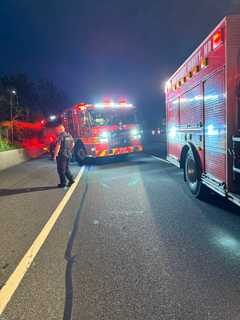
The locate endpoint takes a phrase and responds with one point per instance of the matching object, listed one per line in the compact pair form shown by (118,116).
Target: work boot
(70,183)
(60,185)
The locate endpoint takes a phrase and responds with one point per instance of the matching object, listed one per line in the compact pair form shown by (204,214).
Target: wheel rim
(191,171)
(81,154)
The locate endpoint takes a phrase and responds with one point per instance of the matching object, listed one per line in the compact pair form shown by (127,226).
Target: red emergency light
(50,138)
(81,106)
(107,102)
(217,39)
(123,102)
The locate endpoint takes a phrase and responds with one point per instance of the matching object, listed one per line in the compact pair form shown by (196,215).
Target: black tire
(80,153)
(193,175)
(123,157)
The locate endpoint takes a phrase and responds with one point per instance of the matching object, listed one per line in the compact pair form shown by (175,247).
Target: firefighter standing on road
(62,155)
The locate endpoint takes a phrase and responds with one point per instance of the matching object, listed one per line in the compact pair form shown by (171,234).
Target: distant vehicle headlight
(135,134)
(104,137)
(52,117)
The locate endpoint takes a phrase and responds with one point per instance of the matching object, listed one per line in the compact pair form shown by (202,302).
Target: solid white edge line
(160,159)
(16,277)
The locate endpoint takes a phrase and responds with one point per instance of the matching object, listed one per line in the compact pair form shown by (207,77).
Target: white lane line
(16,277)
(160,159)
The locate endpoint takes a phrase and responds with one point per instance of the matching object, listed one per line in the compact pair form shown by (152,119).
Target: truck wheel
(193,175)
(80,153)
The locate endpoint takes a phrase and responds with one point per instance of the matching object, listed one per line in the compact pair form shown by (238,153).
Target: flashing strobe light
(125,105)
(108,103)
(217,39)
(50,138)
(122,102)
(99,105)
(107,100)
(212,131)
(112,104)
(82,106)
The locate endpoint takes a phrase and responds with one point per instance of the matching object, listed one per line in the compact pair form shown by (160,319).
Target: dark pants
(63,170)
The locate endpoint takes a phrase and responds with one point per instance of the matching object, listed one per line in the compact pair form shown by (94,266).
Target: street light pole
(12,92)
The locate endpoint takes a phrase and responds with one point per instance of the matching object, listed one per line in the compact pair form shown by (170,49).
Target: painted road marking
(16,277)
(160,159)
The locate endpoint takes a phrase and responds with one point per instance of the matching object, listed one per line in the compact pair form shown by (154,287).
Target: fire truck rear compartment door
(173,145)
(215,126)
(191,118)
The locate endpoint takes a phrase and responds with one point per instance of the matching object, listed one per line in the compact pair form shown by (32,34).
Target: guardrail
(12,158)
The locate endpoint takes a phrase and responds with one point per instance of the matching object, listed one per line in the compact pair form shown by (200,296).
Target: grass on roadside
(5,145)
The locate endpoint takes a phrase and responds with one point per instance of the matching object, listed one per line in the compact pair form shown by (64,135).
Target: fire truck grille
(120,139)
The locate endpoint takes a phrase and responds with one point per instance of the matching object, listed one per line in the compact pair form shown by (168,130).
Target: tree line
(33,99)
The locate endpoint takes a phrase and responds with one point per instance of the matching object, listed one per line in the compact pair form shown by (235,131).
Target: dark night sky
(96,48)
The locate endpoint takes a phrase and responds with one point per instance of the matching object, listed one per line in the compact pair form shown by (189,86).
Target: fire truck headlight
(135,134)
(173,132)
(104,137)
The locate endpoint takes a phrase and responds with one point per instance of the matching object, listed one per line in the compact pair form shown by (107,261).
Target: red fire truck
(104,129)
(203,113)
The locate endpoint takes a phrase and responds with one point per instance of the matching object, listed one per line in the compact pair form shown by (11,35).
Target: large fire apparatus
(203,113)
(104,129)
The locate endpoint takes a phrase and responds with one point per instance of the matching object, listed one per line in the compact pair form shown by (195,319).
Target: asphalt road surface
(131,243)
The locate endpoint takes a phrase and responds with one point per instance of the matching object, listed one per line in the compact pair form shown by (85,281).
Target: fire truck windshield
(112,117)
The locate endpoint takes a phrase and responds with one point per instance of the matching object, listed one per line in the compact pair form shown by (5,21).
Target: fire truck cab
(203,113)
(103,130)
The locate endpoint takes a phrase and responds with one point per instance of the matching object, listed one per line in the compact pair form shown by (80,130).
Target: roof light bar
(113,105)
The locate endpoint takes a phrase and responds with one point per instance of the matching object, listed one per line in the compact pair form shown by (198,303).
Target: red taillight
(217,39)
